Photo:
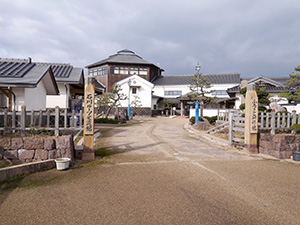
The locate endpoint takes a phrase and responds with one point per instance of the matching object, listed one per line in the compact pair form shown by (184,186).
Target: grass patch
(106,120)
(78,138)
(102,152)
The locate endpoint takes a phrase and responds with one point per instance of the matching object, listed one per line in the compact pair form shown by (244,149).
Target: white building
(24,83)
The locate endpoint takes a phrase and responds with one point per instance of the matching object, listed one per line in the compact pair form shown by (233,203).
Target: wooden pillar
(181,108)
(251,120)
(23,120)
(88,130)
(56,121)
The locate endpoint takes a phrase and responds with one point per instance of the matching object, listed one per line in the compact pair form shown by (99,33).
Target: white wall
(143,92)
(32,98)
(61,100)
(35,98)
(206,112)
(159,90)
(20,97)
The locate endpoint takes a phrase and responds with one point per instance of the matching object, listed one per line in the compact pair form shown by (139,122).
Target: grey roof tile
(233,78)
(124,56)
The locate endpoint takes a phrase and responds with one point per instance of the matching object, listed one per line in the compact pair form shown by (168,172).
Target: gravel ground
(158,172)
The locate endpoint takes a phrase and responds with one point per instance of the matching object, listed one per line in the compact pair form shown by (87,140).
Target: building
(177,88)
(23,82)
(274,86)
(70,81)
(122,65)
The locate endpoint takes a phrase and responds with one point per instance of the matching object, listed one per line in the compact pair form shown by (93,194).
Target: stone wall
(280,146)
(31,149)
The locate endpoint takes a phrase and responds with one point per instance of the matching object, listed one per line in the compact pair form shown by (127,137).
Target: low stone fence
(280,146)
(31,149)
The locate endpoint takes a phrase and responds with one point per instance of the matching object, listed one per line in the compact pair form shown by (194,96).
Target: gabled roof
(124,56)
(24,73)
(231,78)
(269,84)
(133,79)
(65,73)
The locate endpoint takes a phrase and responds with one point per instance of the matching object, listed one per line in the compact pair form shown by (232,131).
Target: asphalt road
(158,173)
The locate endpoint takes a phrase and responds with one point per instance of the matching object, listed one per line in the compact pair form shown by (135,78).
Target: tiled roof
(233,78)
(124,56)
(15,68)
(65,73)
(269,84)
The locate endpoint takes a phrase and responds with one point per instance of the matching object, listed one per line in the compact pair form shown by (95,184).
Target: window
(134,90)
(219,92)
(120,70)
(173,93)
(139,71)
(98,72)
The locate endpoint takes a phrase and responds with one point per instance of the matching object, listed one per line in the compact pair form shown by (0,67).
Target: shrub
(296,127)
(211,119)
(192,120)
(106,120)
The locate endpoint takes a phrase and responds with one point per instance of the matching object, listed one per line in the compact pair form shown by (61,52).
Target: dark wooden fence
(52,119)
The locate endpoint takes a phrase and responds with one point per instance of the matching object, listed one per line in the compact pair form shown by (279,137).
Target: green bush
(296,127)
(242,106)
(106,120)
(192,120)
(211,119)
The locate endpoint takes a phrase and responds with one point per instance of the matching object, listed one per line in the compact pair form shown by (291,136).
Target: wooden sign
(251,120)
(254,116)
(88,132)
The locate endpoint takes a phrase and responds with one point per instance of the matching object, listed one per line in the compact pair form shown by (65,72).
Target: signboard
(254,116)
(89,104)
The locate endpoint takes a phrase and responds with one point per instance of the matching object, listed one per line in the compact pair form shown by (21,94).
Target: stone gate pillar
(251,120)
(88,132)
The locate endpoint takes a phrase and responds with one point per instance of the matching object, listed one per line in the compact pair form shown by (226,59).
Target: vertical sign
(254,116)
(88,132)
(251,120)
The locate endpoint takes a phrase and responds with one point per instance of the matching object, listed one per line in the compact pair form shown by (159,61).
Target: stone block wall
(280,146)
(31,149)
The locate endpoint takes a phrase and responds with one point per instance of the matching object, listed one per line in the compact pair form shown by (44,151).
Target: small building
(121,65)
(70,81)
(23,82)
(177,89)
(273,85)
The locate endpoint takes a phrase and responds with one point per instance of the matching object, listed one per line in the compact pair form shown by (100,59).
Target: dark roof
(65,73)
(24,73)
(274,84)
(125,57)
(233,78)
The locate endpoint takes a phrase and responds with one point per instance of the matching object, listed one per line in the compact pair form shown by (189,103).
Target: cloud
(250,37)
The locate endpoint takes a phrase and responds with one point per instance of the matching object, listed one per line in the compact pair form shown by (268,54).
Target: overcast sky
(250,37)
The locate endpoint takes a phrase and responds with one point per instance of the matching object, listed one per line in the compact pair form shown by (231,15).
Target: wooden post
(5,118)
(251,120)
(88,132)
(48,118)
(23,120)
(31,118)
(80,121)
(73,119)
(66,118)
(13,119)
(40,118)
(56,121)
(294,117)
(230,135)
(273,121)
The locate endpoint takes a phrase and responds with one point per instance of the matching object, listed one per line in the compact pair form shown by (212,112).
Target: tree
(293,84)
(111,99)
(165,104)
(199,87)
(262,95)
(136,103)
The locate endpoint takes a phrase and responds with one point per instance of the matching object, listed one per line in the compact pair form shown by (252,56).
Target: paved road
(159,174)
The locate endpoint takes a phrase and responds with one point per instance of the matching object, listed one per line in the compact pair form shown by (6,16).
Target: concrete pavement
(158,173)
